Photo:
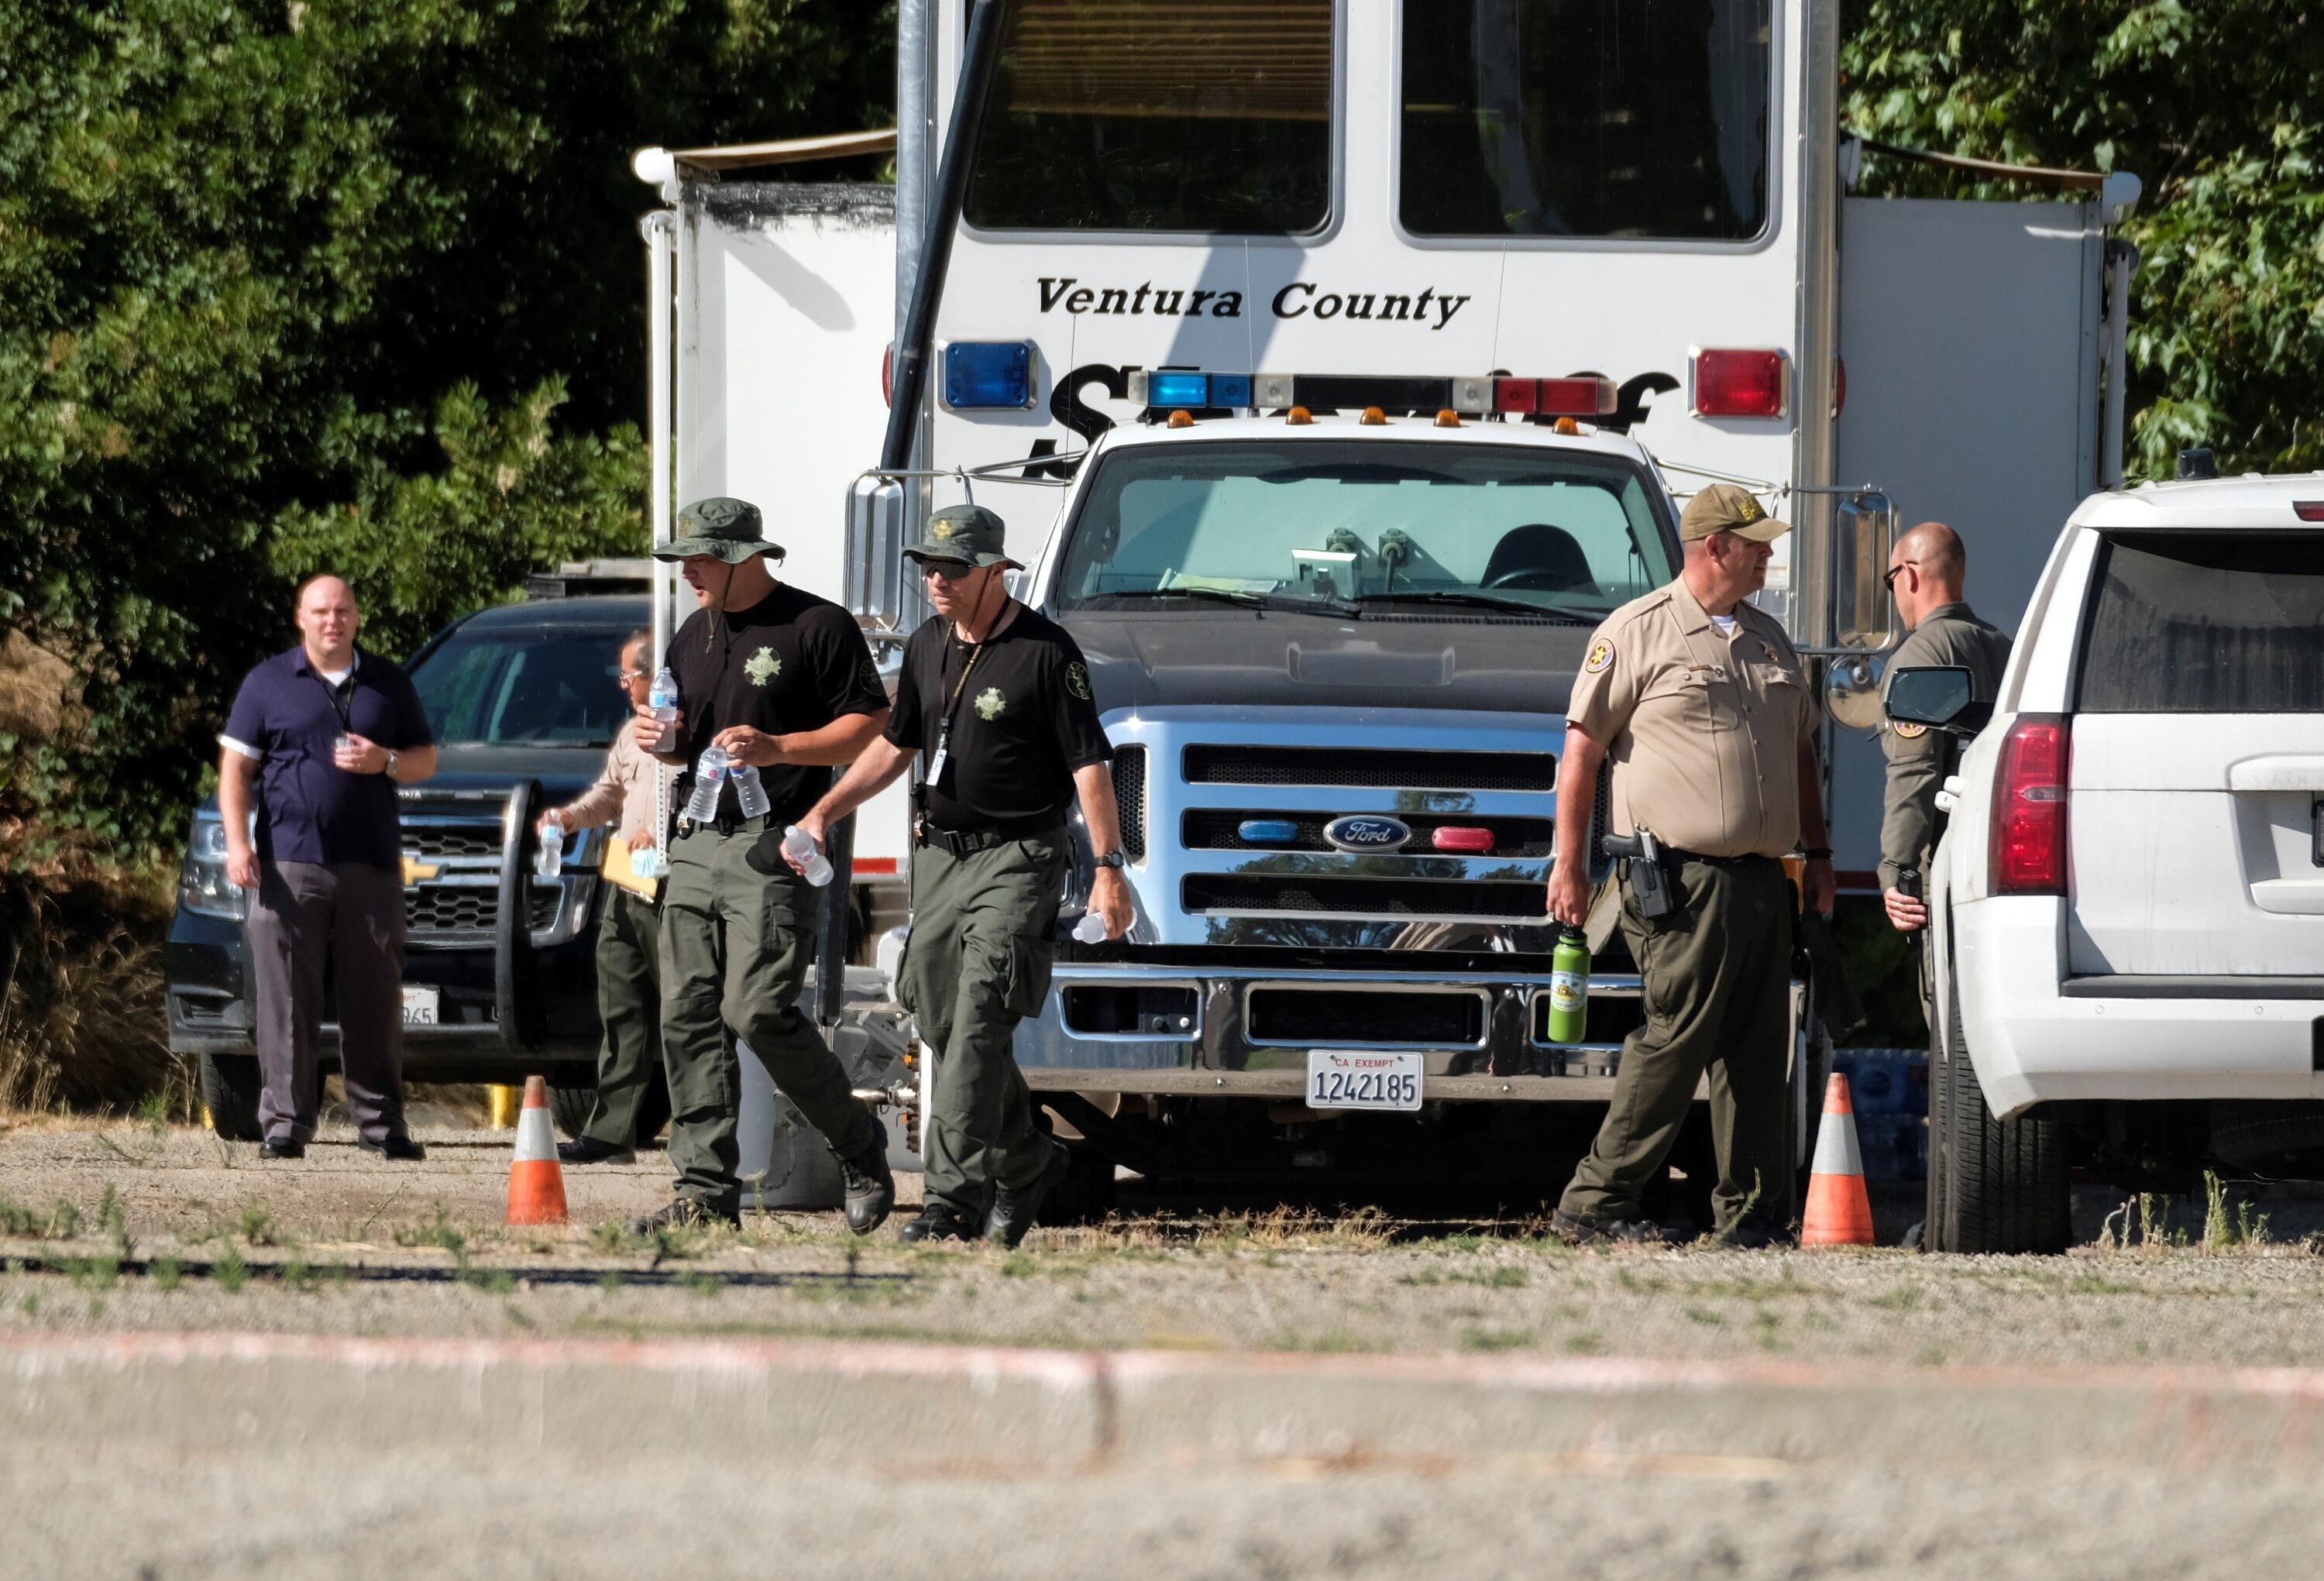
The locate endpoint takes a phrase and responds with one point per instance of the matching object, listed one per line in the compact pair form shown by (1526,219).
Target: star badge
(990,703)
(762,666)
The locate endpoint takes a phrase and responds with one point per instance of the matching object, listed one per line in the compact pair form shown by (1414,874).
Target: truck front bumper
(1168,1031)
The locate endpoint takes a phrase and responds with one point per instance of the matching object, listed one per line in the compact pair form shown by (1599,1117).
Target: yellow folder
(618,870)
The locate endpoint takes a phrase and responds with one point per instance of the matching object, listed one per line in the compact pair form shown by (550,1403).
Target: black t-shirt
(1022,723)
(790,662)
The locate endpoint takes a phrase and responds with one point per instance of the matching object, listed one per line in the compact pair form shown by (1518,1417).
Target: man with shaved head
(318,739)
(1925,573)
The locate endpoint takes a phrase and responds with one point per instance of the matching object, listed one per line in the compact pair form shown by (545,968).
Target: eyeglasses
(947,570)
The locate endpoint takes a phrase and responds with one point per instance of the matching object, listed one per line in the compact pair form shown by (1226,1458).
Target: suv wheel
(1993,1185)
(230,1085)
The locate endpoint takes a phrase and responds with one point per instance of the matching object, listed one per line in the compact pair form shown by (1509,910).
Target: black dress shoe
(937,1222)
(282,1147)
(870,1187)
(589,1150)
(1013,1211)
(396,1149)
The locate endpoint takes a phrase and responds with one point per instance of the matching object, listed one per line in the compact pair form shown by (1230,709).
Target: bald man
(318,740)
(1925,573)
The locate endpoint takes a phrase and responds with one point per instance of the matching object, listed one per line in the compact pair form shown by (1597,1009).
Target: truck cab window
(516,686)
(1190,115)
(1586,118)
(1567,533)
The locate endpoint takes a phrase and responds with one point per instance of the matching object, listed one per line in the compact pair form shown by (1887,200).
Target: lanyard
(942,759)
(341,704)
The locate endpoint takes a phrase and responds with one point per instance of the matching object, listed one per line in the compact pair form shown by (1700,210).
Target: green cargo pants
(629,1003)
(1717,985)
(978,962)
(737,936)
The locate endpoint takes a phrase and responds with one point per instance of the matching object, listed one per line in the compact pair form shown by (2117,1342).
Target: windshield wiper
(1236,596)
(1482,601)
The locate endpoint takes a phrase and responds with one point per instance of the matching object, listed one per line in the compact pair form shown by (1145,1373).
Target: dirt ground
(142,1227)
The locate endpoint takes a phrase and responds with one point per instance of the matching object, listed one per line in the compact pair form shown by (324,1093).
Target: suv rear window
(2206,622)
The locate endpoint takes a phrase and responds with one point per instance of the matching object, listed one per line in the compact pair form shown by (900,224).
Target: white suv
(2128,903)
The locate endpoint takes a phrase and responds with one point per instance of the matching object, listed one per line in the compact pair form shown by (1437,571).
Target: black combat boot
(1013,1211)
(937,1222)
(685,1213)
(869,1186)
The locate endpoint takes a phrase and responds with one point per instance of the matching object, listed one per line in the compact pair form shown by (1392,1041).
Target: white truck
(2128,907)
(1612,246)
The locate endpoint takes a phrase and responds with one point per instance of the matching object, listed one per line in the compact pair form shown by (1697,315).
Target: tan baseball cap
(1728,508)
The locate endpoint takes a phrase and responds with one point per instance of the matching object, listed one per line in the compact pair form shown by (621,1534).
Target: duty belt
(967,843)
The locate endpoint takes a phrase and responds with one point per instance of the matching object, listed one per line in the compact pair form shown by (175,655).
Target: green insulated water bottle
(1569,987)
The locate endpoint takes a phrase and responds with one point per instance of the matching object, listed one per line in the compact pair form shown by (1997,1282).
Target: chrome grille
(456,840)
(1389,768)
(1129,797)
(1215,829)
(1318,895)
(460,908)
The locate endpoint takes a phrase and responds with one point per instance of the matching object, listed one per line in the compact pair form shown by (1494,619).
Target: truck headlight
(203,888)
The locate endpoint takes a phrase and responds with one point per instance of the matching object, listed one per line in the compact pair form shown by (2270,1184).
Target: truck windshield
(527,686)
(1200,115)
(1327,520)
(1608,118)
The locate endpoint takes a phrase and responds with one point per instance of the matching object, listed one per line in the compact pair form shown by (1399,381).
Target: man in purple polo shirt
(317,741)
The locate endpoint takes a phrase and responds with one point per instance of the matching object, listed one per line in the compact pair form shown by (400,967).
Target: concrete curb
(940,1409)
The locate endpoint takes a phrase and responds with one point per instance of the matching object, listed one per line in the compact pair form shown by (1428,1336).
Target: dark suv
(523,700)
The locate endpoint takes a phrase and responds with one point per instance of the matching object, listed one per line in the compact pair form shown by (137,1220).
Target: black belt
(1675,854)
(967,843)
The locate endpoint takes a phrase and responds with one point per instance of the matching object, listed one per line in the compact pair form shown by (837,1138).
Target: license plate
(420,1006)
(1337,1080)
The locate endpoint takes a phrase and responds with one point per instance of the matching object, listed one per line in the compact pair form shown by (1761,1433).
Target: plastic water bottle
(551,861)
(749,791)
(661,701)
(1569,987)
(800,846)
(1090,929)
(709,780)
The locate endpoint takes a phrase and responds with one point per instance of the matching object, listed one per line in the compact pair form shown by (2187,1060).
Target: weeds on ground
(2222,1233)
(439,1232)
(257,1226)
(61,1222)
(229,1270)
(1490,1339)
(165,1273)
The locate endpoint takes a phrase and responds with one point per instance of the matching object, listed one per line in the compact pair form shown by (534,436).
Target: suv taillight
(2028,843)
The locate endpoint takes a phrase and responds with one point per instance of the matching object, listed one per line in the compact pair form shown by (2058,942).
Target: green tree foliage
(2217,106)
(343,283)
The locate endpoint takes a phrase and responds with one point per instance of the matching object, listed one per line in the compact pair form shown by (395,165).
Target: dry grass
(82,1025)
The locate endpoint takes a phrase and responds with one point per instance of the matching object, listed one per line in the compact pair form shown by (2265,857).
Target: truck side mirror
(874,569)
(1864,533)
(1940,696)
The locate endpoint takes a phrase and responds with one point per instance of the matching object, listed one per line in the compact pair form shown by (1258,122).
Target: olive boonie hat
(1726,508)
(726,528)
(967,533)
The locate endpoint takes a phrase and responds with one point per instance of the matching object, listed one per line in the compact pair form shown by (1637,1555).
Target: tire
(569,1107)
(1993,1185)
(230,1086)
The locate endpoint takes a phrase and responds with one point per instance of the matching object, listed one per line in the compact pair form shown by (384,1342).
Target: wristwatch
(1111,859)
(391,761)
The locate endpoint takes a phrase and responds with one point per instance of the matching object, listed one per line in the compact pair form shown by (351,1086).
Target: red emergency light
(1466,840)
(1730,384)
(1585,396)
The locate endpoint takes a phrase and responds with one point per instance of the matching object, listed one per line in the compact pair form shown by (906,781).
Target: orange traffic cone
(536,1184)
(1839,1212)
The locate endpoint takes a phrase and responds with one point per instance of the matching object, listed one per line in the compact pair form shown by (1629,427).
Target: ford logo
(1367,831)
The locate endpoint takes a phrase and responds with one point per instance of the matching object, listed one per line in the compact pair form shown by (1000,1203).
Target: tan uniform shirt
(624,790)
(1919,758)
(1702,727)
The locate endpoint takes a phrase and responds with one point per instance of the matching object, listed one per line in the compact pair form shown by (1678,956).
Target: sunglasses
(947,570)
(1889,580)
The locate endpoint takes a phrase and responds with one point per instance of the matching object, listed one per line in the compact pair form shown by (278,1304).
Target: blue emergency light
(1187,389)
(1266,831)
(984,375)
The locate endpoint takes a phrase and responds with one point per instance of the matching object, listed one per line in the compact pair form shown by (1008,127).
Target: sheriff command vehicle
(1336,367)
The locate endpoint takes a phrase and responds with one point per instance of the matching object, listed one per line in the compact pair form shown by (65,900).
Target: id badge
(941,760)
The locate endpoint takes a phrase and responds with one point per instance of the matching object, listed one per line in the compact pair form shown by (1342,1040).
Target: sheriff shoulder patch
(1601,654)
(1908,730)
(1077,681)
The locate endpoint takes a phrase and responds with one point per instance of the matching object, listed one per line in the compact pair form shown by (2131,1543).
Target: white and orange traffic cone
(536,1184)
(1839,1212)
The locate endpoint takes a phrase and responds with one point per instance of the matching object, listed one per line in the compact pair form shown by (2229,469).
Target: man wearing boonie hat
(781,680)
(1701,704)
(995,699)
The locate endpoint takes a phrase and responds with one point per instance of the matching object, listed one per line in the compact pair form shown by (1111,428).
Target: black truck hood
(1280,659)
(564,772)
